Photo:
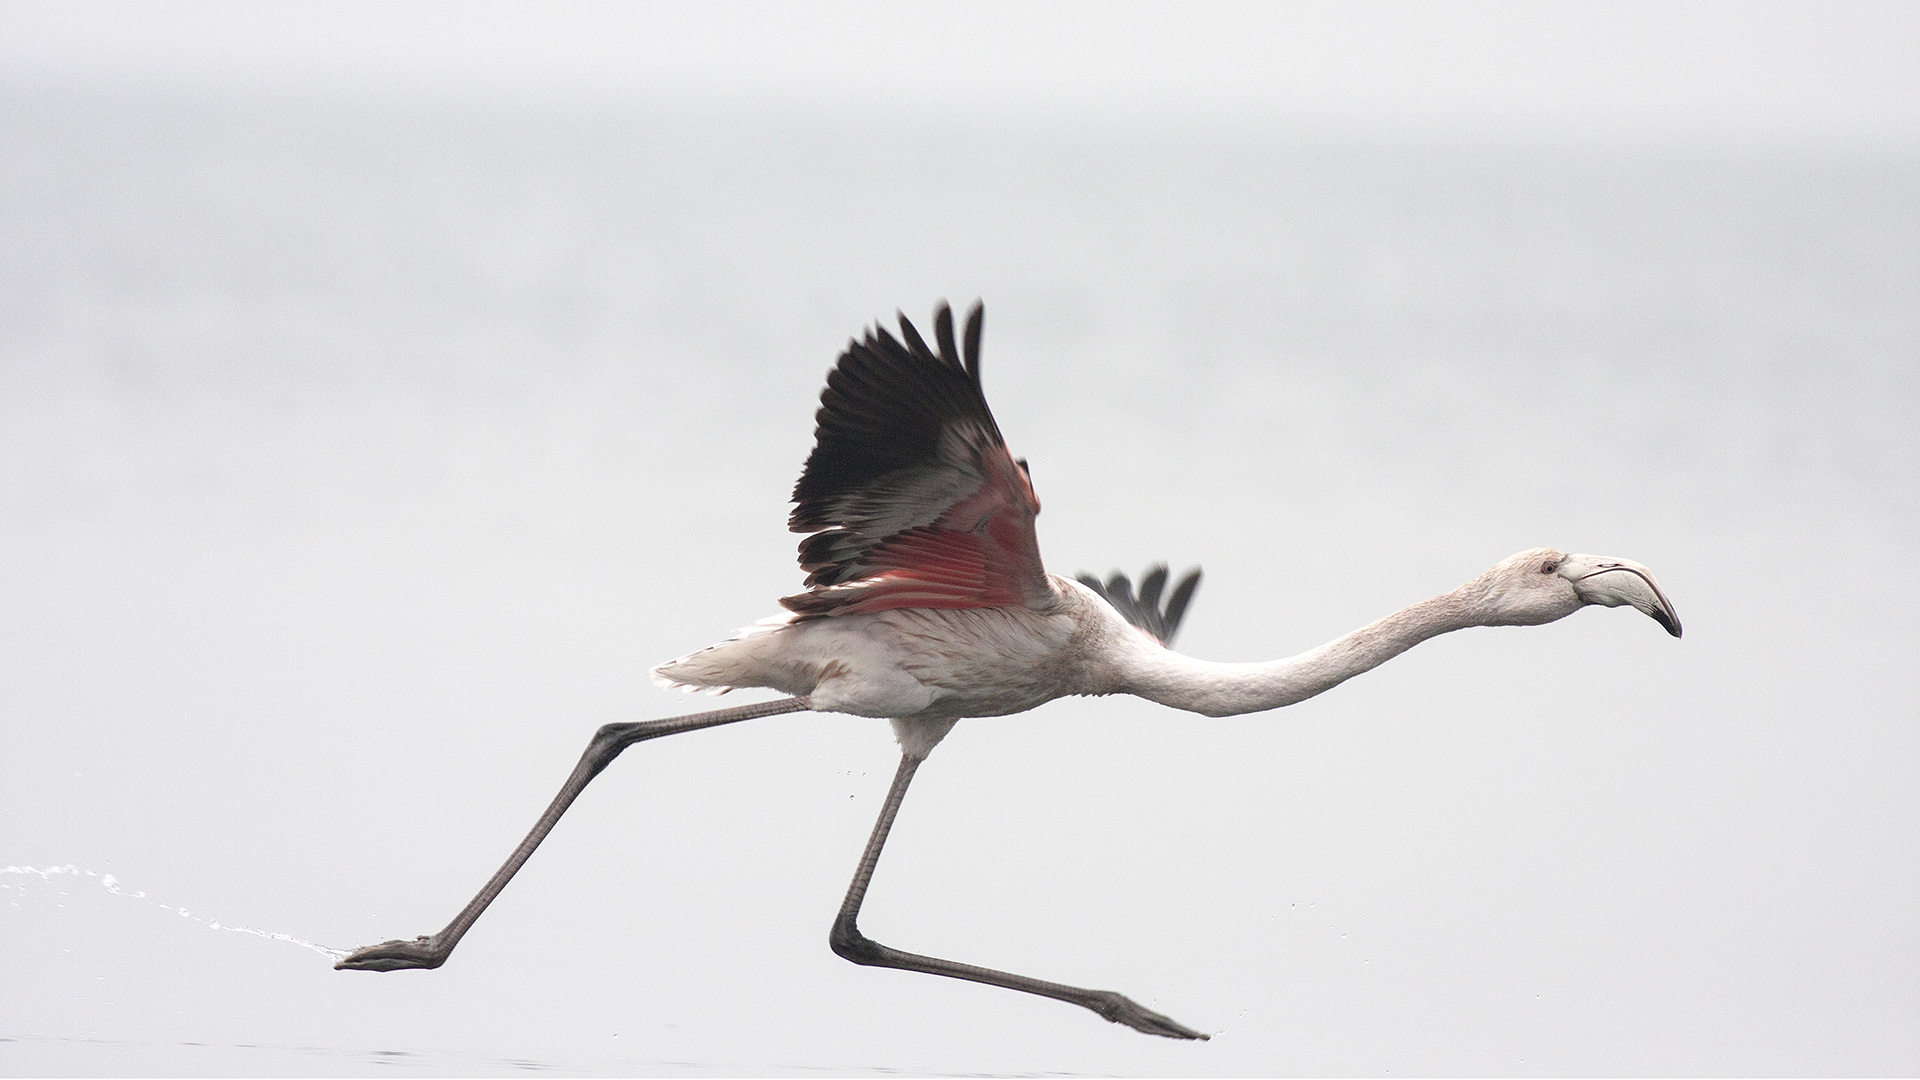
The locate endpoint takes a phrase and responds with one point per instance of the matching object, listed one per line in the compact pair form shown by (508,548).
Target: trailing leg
(607,743)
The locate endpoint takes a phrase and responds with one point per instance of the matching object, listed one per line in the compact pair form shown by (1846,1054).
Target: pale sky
(1743,69)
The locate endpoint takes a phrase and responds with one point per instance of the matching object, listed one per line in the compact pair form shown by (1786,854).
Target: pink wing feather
(910,493)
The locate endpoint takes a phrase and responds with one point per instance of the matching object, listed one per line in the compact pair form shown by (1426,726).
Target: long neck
(1229,689)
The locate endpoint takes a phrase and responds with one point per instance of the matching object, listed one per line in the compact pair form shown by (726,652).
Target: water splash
(112,885)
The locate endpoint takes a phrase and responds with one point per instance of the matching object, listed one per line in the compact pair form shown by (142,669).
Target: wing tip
(966,357)
(976,317)
(1144,609)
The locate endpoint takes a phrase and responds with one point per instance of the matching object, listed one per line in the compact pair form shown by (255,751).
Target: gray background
(383,390)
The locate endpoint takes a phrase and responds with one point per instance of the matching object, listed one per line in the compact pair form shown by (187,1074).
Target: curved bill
(1617,582)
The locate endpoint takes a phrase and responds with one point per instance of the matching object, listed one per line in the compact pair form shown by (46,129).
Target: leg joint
(606,745)
(611,733)
(850,944)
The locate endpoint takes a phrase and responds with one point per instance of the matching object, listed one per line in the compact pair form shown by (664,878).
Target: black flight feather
(1145,611)
(887,406)
(974,319)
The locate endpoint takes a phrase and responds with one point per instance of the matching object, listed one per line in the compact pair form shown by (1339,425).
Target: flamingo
(927,603)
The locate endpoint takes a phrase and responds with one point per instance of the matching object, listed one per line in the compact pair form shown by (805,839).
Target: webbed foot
(421,952)
(1122,1009)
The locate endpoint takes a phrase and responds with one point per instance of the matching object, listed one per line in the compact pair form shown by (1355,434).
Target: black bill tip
(1668,622)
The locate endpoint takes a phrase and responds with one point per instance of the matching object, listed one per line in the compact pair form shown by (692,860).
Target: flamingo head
(1542,585)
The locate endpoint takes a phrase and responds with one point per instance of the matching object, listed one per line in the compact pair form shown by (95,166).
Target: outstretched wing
(1144,611)
(910,493)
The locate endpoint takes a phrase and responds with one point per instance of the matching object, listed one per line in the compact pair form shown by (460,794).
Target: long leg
(849,942)
(608,742)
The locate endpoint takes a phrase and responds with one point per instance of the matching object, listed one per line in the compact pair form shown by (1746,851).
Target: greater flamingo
(926,603)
